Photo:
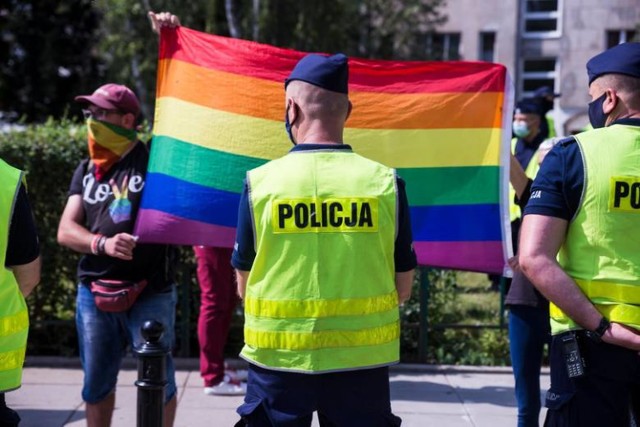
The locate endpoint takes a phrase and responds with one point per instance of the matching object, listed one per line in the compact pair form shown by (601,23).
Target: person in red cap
(97,222)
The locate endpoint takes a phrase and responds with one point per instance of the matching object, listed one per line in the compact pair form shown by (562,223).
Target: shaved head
(317,103)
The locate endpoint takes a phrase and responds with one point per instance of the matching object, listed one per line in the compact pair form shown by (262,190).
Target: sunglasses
(99,113)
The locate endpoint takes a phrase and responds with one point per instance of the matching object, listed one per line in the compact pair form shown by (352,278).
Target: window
(487,46)
(536,73)
(541,18)
(443,46)
(615,37)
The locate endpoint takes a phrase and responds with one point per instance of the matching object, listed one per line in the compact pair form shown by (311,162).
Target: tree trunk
(137,79)
(256,20)
(232,19)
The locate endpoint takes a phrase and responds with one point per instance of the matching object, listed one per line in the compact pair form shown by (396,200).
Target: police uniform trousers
(603,396)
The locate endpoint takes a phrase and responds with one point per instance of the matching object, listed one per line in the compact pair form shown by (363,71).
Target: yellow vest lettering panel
(624,194)
(329,215)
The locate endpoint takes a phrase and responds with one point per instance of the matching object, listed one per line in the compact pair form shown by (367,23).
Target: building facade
(541,42)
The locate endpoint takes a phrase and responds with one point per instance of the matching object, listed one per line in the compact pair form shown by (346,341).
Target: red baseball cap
(113,97)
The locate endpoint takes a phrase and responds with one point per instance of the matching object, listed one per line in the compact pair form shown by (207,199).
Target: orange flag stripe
(253,97)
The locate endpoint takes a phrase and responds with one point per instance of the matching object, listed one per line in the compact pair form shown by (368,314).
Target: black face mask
(597,117)
(287,126)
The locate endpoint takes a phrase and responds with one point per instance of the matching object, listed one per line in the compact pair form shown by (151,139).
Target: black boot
(8,417)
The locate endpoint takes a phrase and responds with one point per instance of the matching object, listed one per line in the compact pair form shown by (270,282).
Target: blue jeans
(104,337)
(529,331)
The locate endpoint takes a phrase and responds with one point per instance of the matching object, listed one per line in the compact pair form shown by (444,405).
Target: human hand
(163,19)
(623,336)
(514,264)
(120,246)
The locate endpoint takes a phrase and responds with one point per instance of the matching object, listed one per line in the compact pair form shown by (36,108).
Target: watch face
(593,336)
(602,327)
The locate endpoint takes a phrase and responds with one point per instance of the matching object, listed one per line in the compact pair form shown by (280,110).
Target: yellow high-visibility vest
(321,294)
(14,318)
(601,248)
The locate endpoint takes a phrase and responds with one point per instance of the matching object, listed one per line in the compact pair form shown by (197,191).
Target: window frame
(446,44)
(482,47)
(531,75)
(539,16)
(624,35)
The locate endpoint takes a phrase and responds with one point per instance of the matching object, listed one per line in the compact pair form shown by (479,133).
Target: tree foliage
(46,51)
(57,50)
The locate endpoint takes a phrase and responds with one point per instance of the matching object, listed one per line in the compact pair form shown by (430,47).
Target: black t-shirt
(110,207)
(23,245)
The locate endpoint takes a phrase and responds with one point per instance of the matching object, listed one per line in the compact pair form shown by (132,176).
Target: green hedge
(50,152)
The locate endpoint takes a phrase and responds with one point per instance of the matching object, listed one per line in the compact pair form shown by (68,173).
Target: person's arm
(404,255)
(404,285)
(241,278)
(23,248)
(243,252)
(540,239)
(73,234)
(517,177)
(163,19)
(27,275)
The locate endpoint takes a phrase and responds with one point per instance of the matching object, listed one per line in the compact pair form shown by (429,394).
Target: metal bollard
(152,375)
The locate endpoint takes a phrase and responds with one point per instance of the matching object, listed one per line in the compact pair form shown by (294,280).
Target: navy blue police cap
(545,91)
(328,72)
(527,106)
(621,59)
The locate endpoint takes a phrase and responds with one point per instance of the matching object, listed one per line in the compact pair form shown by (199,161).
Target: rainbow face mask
(107,144)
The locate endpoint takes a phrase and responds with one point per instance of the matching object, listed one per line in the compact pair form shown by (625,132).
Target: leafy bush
(49,154)
(462,325)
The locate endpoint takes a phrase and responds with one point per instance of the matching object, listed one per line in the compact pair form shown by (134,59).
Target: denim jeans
(529,331)
(104,337)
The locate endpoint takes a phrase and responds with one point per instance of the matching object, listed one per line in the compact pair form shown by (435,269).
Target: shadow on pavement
(47,417)
(426,391)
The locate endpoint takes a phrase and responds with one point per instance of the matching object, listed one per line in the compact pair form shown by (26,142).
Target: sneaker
(226,388)
(237,375)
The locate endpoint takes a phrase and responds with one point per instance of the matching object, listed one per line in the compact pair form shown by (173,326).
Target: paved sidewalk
(445,396)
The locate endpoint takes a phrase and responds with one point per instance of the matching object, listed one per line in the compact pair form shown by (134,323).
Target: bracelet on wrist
(94,243)
(102,242)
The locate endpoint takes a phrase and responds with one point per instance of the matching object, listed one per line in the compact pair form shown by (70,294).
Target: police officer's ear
(349,108)
(610,102)
(292,111)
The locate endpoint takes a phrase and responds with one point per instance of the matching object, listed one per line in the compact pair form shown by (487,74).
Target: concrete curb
(193,364)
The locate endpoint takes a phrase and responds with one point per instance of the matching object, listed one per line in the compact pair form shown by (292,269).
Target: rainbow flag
(220,110)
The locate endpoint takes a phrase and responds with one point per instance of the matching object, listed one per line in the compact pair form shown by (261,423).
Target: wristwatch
(596,335)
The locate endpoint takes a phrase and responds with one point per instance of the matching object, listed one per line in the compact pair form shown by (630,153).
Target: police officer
(544,98)
(333,259)
(584,207)
(19,274)
(524,147)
